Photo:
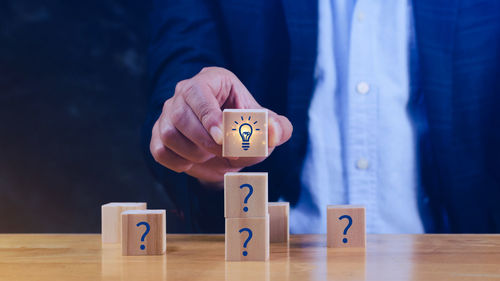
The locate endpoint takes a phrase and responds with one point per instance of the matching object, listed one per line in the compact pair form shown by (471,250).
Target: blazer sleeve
(185,37)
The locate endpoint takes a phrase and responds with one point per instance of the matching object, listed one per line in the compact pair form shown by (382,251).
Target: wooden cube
(111,226)
(144,232)
(245,195)
(346,227)
(278,222)
(245,133)
(247,239)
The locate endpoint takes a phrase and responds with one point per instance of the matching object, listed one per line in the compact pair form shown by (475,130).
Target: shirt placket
(361,131)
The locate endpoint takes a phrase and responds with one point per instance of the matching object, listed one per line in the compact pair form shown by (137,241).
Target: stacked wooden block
(141,232)
(247,218)
(245,194)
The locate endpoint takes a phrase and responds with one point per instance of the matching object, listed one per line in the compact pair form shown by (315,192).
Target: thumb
(280,129)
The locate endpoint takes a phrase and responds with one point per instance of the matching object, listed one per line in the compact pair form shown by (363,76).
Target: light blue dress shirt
(362,146)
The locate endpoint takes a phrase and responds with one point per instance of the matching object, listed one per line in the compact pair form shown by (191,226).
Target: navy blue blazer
(271,46)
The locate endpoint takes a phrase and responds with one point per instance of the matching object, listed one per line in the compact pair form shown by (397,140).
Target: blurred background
(73,99)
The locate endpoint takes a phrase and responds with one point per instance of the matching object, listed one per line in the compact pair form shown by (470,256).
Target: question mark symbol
(245,253)
(250,191)
(145,232)
(347,227)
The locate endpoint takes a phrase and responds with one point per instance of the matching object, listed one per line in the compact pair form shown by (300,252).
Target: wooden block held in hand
(111,215)
(250,232)
(245,195)
(338,219)
(144,232)
(278,221)
(245,133)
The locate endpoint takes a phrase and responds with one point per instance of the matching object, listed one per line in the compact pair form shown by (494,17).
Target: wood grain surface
(201,257)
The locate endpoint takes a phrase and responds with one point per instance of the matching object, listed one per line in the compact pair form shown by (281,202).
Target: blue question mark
(250,191)
(347,227)
(145,232)
(245,253)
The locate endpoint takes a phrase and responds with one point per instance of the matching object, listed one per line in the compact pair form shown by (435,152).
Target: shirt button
(362,88)
(362,164)
(361,16)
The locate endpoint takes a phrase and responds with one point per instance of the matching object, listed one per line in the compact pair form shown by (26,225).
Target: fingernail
(216,134)
(276,133)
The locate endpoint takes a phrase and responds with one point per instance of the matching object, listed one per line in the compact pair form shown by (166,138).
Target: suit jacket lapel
(435,25)
(302,21)
(435,33)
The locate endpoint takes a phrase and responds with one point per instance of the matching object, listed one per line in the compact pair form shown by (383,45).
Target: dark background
(73,97)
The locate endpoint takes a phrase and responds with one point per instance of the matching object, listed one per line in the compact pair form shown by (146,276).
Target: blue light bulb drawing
(246,130)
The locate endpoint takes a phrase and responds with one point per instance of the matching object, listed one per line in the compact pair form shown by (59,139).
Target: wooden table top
(201,257)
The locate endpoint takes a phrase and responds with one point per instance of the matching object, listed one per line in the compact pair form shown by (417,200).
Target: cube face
(245,133)
(349,220)
(245,195)
(278,222)
(111,226)
(247,239)
(144,232)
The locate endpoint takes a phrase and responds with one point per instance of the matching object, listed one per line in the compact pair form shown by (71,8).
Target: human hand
(187,136)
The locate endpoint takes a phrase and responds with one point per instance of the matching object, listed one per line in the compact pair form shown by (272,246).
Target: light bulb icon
(245,130)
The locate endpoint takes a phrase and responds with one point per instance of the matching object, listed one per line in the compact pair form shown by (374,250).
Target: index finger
(206,107)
